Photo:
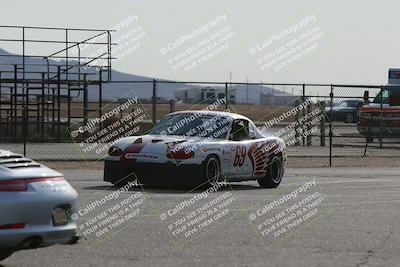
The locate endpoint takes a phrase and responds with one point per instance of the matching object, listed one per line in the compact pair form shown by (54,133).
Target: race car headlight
(114,151)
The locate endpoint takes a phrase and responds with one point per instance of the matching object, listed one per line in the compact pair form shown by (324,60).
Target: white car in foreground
(35,203)
(198,147)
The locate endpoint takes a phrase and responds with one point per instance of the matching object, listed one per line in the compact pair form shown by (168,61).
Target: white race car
(198,147)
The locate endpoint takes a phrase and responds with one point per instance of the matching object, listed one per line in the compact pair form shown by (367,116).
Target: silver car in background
(35,203)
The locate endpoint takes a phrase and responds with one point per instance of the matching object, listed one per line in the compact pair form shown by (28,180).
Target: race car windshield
(193,124)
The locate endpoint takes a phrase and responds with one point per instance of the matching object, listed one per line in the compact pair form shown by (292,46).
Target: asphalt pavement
(317,217)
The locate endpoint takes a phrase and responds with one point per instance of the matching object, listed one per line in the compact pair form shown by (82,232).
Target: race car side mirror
(366,96)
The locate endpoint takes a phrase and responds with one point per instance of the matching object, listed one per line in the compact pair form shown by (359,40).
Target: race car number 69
(240,156)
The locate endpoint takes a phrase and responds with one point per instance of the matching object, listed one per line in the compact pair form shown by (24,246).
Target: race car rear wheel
(275,171)
(4,254)
(212,170)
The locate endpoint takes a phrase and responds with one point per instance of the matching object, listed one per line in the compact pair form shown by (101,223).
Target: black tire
(211,170)
(275,171)
(4,254)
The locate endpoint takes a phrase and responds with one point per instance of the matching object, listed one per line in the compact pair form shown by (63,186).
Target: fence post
(322,122)
(226,96)
(14,109)
(85,103)
(303,98)
(37,113)
(25,125)
(381,119)
(308,126)
(100,97)
(330,127)
(58,102)
(43,110)
(296,129)
(172,105)
(154,100)
(1,124)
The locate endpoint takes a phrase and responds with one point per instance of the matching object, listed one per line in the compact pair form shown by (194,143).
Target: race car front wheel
(212,170)
(275,171)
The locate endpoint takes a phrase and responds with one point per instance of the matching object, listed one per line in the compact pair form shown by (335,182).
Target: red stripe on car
(135,147)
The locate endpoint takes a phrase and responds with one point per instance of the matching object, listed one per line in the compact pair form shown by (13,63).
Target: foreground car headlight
(114,151)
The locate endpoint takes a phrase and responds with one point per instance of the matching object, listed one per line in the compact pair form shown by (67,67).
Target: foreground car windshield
(193,124)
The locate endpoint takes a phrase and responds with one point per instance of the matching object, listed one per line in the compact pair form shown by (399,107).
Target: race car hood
(156,147)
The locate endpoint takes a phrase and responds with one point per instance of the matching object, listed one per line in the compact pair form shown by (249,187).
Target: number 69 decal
(240,156)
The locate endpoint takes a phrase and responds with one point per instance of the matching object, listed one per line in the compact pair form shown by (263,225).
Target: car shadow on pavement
(175,190)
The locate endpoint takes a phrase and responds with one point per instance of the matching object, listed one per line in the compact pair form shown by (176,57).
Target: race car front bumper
(165,174)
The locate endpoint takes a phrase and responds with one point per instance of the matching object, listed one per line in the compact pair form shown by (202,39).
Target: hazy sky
(347,41)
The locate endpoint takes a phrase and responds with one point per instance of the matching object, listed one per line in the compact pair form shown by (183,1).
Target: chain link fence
(321,124)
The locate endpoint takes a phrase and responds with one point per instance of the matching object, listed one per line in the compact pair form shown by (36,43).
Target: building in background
(274,100)
(238,94)
(203,95)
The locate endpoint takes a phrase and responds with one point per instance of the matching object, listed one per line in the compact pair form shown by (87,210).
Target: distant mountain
(113,91)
